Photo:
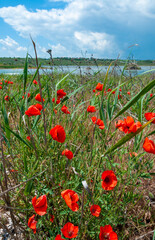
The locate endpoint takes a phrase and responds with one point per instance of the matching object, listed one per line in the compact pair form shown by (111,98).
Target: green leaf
(28,187)
(136,98)
(17,136)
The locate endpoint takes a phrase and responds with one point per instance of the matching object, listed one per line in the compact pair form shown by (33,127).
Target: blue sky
(76,28)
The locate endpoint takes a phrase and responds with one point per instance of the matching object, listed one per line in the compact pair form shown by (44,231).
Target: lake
(85,70)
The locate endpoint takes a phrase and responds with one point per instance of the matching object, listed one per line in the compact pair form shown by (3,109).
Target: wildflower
(95,210)
(128,93)
(133,154)
(0,83)
(120,90)
(9,82)
(64,109)
(40,205)
(94,90)
(128,125)
(61,93)
(109,90)
(97,94)
(99,87)
(57,101)
(0,87)
(151,95)
(149,146)
(69,230)
(28,138)
(113,92)
(28,95)
(109,180)
(38,98)
(39,106)
(13,170)
(58,133)
(119,96)
(6,98)
(35,82)
(52,218)
(32,223)
(58,237)
(71,199)
(32,111)
(134,127)
(68,154)
(55,111)
(149,116)
(99,122)
(91,109)
(106,233)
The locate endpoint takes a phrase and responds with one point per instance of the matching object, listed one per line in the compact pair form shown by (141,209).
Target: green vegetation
(32,163)
(19,62)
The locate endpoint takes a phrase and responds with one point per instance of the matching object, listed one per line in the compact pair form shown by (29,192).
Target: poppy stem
(40,90)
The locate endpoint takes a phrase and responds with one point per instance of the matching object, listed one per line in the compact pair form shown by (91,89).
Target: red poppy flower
(0,87)
(120,90)
(69,230)
(97,94)
(35,82)
(32,111)
(128,93)
(107,233)
(38,98)
(55,111)
(28,138)
(64,109)
(57,101)
(113,92)
(91,109)
(52,218)
(109,90)
(133,154)
(134,127)
(128,125)
(94,90)
(32,223)
(119,96)
(0,83)
(95,210)
(99,87)
(109,180)
(99,122)
(13,170)
(6,98)
(149,146)
(151,94)
(58,237)
(149,116)
(61,93)
(40,205)
(39,106)
(9,82)
(71,198)
(68,154)
(58,133)
(28,95)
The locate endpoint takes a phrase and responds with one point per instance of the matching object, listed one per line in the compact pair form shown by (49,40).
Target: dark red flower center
(107,180)
(70,233)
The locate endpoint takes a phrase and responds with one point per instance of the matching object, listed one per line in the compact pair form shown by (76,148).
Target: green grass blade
(25,72)
(126,138)
(136,98)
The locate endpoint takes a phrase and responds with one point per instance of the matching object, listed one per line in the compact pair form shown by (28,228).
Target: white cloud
(82,24)
(8,42)
(12,47)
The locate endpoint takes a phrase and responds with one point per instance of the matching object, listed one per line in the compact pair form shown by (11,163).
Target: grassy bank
(36,158)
